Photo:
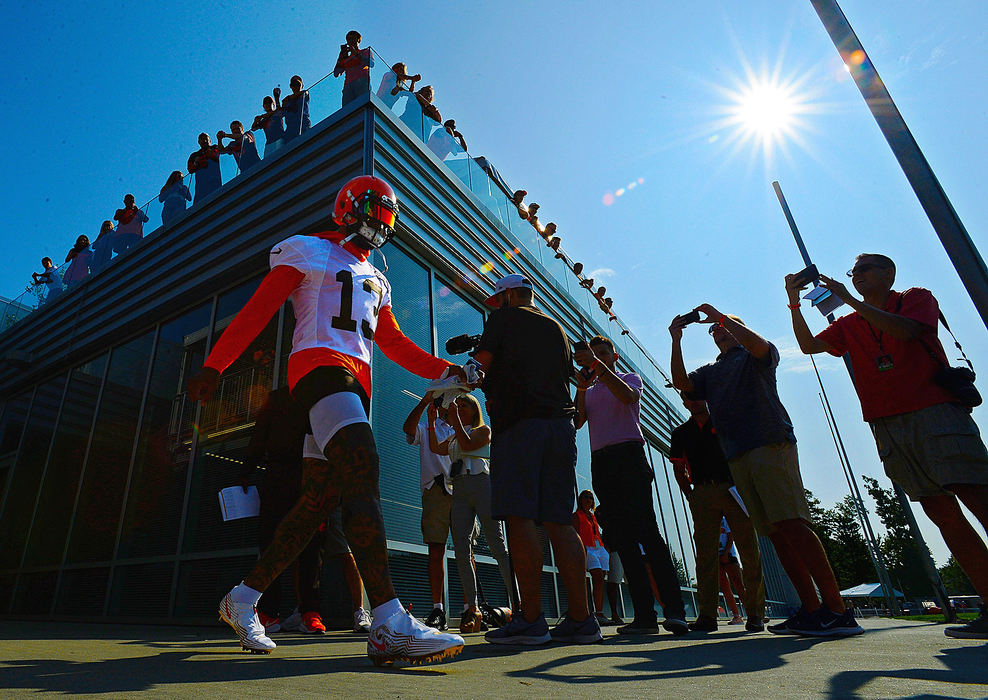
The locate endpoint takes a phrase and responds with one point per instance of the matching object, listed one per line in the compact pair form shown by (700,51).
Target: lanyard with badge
(884,360)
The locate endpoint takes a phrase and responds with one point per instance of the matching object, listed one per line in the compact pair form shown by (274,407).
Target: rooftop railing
(272,134)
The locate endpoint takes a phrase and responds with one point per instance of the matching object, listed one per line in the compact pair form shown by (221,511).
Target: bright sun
(766,111)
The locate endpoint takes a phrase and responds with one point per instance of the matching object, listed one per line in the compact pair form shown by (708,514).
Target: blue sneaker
(518,631)
(824,623)
(569,631)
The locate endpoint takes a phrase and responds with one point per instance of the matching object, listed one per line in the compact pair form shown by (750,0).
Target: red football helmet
(367,209)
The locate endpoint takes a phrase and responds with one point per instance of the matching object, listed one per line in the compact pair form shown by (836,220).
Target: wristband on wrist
(720,321)
(793,306)
(595,365)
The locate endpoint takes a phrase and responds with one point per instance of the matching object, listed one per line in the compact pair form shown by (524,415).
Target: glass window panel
(68,452)
(671,509)
(224,430)
(28,471)
(12,425)
(400,494)
(157,488)
(97,516)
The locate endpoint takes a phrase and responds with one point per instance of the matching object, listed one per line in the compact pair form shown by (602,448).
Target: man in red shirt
(354,63)
(926,439)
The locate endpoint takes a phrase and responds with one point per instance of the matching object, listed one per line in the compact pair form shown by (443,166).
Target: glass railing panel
(443,144)
(325,98)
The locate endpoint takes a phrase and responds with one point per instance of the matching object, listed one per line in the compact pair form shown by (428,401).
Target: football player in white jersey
(342,307)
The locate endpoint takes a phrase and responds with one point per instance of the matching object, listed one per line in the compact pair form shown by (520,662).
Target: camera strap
(957,344)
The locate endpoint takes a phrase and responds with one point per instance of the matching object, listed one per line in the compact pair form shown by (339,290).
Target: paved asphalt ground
(892,659)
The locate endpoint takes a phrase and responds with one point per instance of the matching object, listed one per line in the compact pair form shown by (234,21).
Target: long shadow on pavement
(723,656)
(964,666)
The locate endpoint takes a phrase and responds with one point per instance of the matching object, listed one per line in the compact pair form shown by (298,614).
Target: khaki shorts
(768,480)
(926,450)
(436,505)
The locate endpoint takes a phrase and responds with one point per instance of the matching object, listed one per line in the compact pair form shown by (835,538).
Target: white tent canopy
(868,590)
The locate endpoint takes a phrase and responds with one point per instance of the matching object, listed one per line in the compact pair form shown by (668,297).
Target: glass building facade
(109,474)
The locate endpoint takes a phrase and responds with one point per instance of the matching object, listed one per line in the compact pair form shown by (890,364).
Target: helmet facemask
(371,220)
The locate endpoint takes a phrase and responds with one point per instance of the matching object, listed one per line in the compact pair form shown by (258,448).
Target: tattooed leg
(353,452)
(319,494)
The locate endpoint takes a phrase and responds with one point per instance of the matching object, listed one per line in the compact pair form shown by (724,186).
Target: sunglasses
(712,328)
(860,269)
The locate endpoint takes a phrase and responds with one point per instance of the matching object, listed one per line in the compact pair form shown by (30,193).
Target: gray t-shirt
(743,400)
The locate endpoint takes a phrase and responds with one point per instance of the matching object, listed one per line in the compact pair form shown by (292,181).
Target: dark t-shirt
(702,452)
(529,376)
(743,400)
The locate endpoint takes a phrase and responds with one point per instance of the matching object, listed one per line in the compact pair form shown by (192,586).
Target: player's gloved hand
(202,386)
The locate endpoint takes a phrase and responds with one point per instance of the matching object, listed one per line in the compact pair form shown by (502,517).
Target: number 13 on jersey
(345,321)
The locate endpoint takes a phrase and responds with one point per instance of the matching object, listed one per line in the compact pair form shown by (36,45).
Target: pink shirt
(612,422)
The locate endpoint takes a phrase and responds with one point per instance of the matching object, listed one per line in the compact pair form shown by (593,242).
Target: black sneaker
(572,632)
(975,629)
(437,620)
(755,624)
(616,620)
(676,625)
(637,626)
(784,626)
(518,631)
(824,623)
(703,624)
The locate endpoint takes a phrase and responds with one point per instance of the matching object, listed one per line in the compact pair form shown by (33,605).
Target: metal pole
(933,576)
(960,248)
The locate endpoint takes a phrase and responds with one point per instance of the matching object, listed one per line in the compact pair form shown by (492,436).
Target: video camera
(459,344)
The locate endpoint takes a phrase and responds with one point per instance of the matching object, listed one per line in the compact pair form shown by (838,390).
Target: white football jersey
(337,304)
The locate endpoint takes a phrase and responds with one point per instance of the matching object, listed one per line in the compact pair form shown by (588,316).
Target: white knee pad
(328,416)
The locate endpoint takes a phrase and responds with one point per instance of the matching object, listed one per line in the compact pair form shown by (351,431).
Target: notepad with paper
(235,504)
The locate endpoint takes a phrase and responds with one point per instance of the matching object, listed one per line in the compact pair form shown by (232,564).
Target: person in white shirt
(437,499)
(469,448)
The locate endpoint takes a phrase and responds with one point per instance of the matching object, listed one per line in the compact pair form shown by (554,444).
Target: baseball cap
(506,283)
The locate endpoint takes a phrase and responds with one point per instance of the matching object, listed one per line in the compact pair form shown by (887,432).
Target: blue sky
(571,101)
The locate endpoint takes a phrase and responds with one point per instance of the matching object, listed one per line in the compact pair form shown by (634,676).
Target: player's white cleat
(403,638)
(242,617)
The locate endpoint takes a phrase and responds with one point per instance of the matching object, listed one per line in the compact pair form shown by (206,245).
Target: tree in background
(902,555)
(680,567)
(840,532)
(954,579)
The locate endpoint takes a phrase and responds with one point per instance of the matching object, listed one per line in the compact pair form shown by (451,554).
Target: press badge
(885,363)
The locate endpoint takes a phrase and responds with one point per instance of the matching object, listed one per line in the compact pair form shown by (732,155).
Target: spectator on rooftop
(422,106)
(102,248)
(205,164)
(49,277)
(446,140)
(396,81)
(130,225)
(241,146)
(173,196)
(79,259)
(272,122)
(295,107)
(355,63)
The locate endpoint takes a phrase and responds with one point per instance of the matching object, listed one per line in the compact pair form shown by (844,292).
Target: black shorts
(533,471)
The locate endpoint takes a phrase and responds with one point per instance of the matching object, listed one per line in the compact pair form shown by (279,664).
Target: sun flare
(766,110)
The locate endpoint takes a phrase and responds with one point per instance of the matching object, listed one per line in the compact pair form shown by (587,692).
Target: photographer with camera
(760,446)
(355,63)
(527,358)
(470,449)
(437,494)
(926,438)
(609,402)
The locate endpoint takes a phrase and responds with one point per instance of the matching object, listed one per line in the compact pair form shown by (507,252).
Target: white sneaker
(242,617)
(293,623)
(361,621)
(403,638)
